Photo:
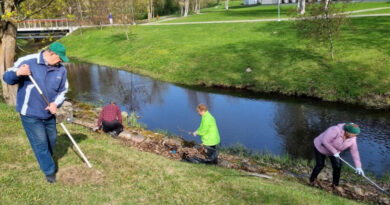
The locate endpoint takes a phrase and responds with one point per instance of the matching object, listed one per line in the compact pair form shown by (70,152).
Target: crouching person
(208,131)
(110,119)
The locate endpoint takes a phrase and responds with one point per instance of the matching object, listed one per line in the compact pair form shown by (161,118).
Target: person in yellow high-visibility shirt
(208,131)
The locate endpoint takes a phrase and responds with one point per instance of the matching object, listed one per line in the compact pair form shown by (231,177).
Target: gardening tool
(185,131)
(62,125)
(368,179)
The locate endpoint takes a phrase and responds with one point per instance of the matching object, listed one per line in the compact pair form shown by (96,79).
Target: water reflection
(99,84)
(263,123)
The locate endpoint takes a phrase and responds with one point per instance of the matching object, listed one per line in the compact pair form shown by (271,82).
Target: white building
(250,2)
(267,2)
(264,2)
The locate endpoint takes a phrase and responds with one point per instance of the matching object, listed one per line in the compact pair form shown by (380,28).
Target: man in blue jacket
(37,117)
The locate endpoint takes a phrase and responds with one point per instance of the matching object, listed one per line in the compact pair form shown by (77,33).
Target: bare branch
(37,11)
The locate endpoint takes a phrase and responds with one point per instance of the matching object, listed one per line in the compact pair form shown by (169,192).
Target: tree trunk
(7,55)
(186,7)
(132,15)
(81,17)
(330,32)
(227,5)
(301,7)
(150,10)
(331,45)
(197,7)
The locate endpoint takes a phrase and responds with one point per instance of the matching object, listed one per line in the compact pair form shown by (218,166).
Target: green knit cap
(352,128)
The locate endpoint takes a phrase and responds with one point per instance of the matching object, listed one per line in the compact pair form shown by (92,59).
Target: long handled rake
(183,130)
(62,125)
(368,179)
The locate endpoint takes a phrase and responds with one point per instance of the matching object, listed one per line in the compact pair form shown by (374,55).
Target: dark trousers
(211,154)
(42,135)
(114,125)
(320,163)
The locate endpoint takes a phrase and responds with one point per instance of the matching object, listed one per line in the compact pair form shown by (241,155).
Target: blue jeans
(42,135)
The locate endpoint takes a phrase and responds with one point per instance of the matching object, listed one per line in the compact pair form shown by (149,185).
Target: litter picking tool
(62,125)
(185,131)
(368,179)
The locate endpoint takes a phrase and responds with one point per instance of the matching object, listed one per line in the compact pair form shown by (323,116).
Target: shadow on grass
(63,143)
(121,37)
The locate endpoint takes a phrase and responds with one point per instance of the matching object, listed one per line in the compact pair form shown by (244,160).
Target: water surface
(264,123)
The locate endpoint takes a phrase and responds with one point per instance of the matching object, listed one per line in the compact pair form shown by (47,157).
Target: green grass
(218,54)
(239,12)
(131,176)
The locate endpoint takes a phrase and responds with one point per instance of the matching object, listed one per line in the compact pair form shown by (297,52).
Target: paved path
(266,20)
(365,10)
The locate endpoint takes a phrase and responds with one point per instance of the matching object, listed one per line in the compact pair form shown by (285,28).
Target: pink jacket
(331,141)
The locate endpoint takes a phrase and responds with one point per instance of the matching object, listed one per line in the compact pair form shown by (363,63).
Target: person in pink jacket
(330,143)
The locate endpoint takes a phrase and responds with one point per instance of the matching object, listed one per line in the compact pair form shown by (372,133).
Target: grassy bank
(218,55)
(122,175)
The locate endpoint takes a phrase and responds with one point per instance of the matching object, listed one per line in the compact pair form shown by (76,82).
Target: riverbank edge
(101,149)
(90,112)
(369,102)
(235,157)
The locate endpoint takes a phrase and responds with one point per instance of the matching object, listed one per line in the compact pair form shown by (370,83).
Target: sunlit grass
(131,176)
(218,54)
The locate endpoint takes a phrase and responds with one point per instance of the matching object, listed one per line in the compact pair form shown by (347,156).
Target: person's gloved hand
(337,154)
(195,133)
(359,171)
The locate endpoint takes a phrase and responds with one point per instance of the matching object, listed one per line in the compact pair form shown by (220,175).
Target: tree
(125,10)
(301,7)
(150,10)
(322,23)
(186,7)
(197,7)
(227,5)
(10,15)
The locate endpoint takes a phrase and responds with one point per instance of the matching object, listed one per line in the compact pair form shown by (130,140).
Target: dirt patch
(78,175)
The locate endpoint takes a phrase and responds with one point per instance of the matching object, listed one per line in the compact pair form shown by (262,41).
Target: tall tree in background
(301,7)
(227,5)
(197,6)
(322,23)
(10,15)
(186,7)
(150,10)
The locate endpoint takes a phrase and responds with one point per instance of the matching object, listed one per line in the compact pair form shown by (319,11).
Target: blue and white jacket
(51,79)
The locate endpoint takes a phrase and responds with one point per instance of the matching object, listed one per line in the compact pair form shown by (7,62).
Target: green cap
(352,128)
(60,50)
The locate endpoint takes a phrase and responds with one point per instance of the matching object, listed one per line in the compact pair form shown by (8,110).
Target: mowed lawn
(237,11)
(219,54)
(122,175)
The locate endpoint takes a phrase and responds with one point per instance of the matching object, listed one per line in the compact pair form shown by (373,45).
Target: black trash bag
(211,157)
